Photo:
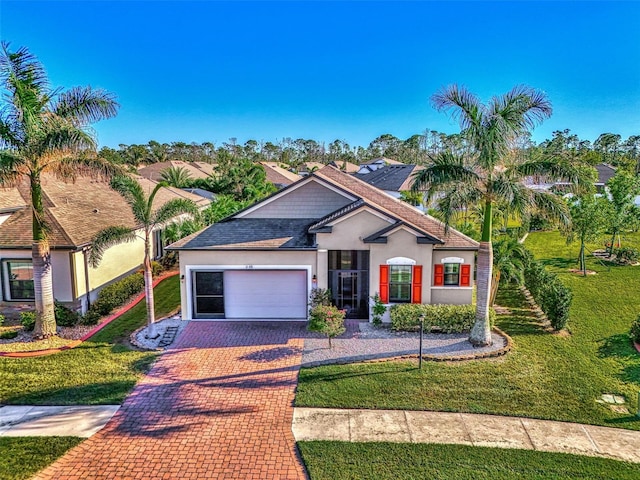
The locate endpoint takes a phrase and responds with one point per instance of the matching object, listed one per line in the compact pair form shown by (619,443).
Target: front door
(349,281)
(208,294)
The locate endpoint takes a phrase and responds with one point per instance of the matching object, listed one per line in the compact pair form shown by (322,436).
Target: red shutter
(438,275)
(384,283)
(465,275)
(416,284)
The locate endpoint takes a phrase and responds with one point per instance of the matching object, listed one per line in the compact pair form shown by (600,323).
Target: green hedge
(117,293)
(551,295)
(634,333)
(445,318)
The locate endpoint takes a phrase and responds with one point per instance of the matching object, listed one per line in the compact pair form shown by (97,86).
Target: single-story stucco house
(328,230)
(75,212)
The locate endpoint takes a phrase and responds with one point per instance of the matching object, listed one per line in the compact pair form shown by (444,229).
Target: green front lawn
(101,370)
(401,461)
(549,376)
(22,457)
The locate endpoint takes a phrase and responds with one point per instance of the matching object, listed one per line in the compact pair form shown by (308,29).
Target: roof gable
(308,198)
(396,208)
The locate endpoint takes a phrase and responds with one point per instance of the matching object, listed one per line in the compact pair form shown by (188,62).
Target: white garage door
(272,294)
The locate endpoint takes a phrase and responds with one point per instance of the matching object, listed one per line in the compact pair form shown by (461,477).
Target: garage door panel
(272,294)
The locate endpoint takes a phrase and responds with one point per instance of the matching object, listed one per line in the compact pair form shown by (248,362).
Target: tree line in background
(608,148)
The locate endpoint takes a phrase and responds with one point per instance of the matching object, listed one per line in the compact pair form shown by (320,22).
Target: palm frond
(445,168)
(84,165)
(455,199)
(133,194)
(553,170)
(463,106)
(85,105)
(173,208)
(21,68)
(11,167)
(108,238)
(551,206)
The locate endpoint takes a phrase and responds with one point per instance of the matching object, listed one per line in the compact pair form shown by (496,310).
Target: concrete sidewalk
(38,421)
(466,429)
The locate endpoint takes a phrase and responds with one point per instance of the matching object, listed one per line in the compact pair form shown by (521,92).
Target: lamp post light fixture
(421,335)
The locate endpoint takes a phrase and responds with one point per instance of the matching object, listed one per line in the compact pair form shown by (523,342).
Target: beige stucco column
(322,268)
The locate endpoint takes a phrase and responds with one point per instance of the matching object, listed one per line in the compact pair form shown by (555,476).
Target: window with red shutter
(384,283)
(465,275)
(438,275)
(416,284)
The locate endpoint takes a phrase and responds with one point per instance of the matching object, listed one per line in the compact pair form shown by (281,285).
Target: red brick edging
(93,331)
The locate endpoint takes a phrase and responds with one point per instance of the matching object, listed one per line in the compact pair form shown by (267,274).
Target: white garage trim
(188,278)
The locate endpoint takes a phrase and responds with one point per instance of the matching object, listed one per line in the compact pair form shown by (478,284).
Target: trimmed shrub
(551,295)
(627,255)
(117,293)
(65,317)
(92,317)
(444,318)
(634,333)
(1,319)
(28,320)
(328,320)
(156,268)
(8,335)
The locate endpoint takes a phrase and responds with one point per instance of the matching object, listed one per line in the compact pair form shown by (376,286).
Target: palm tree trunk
(43,290)
(41,259)
(481,332)
(148,289)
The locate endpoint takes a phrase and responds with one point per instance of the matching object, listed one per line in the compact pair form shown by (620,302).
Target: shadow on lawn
(619,346)
(521,320)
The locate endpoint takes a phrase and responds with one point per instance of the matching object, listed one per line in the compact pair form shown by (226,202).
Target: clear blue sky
(208,71)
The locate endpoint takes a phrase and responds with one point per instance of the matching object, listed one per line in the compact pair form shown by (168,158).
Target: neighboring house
(75,212)
(605,172)
(347,167)
(392,179)
(329,230)
(196,169)
(375,164)
(280,177)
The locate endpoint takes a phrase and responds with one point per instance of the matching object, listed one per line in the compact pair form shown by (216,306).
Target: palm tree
(487,175)
(146,218)
(45,130)
(178,177)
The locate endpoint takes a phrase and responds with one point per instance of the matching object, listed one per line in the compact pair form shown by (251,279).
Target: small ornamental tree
(327,320)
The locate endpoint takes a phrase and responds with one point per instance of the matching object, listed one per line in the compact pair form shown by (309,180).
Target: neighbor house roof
(195,169)
(383,160)
(395,178)
(605,172)
(278,175)
(346,166)
(76,211)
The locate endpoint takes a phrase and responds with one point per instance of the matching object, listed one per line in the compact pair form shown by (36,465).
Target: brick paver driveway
(217,405)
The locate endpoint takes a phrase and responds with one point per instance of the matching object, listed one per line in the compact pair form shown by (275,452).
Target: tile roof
(77,211)
(394,178)
(195,169)
(278,175)
(238,233)
(396,208)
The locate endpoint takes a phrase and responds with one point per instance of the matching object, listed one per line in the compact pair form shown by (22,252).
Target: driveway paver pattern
(218,405)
